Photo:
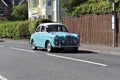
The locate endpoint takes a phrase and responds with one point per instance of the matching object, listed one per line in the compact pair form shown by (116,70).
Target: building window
(49,2)
(43,3)
(50,17)
(43,16)
(33,3)
(1,10)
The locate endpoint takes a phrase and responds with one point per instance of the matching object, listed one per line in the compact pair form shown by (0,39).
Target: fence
(94,29)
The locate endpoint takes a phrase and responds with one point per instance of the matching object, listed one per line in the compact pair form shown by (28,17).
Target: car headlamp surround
(57,37)
(56,40)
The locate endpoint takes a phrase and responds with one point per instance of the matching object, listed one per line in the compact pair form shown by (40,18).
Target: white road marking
(2,78)
(79,60)
(22,50)
(2,46)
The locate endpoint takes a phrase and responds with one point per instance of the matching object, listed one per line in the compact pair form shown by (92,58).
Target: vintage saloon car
(54,35)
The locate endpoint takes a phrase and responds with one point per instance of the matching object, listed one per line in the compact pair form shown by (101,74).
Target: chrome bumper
(59,46)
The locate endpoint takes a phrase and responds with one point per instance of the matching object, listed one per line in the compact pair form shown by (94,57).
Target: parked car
(54,35)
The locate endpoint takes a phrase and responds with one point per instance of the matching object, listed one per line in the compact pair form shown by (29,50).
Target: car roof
(45,24)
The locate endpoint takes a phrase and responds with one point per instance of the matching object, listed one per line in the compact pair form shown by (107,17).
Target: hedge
(8,30)
(19,29)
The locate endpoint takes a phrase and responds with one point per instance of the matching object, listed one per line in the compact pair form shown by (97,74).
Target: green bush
(91,8)
(8,30)
(45,21)
(103,7)
(21,29)
(34,24)
(1,30)
(80,10)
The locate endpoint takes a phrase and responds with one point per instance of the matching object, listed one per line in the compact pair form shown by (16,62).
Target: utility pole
(59,11)
(13,3)
(113,22)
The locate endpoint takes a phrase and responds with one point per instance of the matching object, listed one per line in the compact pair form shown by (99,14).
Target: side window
(1,10)
(50,17)
(38,29)
(64,29)
(42,29)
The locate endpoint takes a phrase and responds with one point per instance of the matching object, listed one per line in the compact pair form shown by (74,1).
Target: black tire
(49,47)
(75,49)
(33,45)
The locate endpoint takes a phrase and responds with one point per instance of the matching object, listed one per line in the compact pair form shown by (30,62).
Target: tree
(117,4)
(70,5)
(81,7)
(20,12)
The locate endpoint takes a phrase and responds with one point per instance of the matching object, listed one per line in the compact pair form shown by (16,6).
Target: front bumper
(67,46)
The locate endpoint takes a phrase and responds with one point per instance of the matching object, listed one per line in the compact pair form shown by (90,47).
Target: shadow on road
(61,51)
(78,52)
(86,52)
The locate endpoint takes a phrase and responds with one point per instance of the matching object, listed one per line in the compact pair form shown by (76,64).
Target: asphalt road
(19,62)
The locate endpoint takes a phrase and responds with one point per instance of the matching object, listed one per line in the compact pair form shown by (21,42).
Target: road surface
(19,62)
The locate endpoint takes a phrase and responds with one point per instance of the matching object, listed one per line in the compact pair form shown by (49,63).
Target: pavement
(101,49)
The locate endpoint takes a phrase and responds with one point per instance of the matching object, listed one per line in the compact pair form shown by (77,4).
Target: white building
(47,9)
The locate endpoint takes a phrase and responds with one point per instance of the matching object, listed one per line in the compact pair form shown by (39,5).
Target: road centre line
(79,60)
(22,50)
(2,78)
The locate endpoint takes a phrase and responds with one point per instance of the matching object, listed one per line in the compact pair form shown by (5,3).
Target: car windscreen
(56,28)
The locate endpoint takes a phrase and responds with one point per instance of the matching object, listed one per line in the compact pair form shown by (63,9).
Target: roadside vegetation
(20,12)
(82,7)
(19,29)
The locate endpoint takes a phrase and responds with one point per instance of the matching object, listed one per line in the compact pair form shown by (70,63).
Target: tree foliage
(117,4)
(70,5)
(20,12)
(81,7)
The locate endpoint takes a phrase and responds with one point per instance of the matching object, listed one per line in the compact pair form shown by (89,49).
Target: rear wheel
(33,45)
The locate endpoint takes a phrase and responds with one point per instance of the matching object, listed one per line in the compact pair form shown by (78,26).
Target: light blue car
(54,35)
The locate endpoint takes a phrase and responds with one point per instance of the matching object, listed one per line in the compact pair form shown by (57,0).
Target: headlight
(57,37)
(79,39)
(56,40)
(75,41)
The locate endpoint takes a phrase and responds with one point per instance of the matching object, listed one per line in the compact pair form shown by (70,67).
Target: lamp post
(113,22)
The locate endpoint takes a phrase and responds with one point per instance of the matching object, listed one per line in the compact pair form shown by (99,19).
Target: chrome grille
(68,40)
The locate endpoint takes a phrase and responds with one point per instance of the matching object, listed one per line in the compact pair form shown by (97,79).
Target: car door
(42,36)
(36,36)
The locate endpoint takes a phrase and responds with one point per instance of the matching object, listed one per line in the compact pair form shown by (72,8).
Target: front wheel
(75,49)
(49,47)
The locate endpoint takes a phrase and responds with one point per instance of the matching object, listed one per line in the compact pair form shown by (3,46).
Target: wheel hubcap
(49,47)
(33,45)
